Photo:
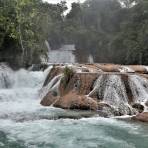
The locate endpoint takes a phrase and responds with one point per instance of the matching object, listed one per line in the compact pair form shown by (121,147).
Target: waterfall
(90,59)
(19,93)
(53,86)
(146,67)
(114,92)
(47,45)
(5,76)
(139,87)
(63,55)
(110,89)
(25,123)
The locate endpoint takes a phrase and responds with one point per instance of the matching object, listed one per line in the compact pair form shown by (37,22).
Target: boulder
(80,82)
(75,101)
(54,72)
(138,68)
(143,117)
(138,107)
(70,101)
(49,99)
(109,67)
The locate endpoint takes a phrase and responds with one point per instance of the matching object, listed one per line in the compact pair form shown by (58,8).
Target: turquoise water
(68,133)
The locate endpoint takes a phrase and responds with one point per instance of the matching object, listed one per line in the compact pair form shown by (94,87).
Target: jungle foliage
(111,30)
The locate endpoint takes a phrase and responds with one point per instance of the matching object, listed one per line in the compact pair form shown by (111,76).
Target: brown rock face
(109,67)
(49,99)
(75,101)
(143,117)
(70,101)
(81,82)
(138,68)
(54,72)
(103,83)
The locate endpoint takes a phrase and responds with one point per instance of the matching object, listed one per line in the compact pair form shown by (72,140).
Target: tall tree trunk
(21,43)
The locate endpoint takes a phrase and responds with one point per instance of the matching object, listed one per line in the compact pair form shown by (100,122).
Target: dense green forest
(111,30)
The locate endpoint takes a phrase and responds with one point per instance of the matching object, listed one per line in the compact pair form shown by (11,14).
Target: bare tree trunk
(140,58)
(21,43)
(18,12)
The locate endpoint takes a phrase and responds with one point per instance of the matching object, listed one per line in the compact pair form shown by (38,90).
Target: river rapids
(24,123)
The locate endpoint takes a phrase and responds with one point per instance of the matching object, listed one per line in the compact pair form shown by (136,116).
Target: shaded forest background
(113,31)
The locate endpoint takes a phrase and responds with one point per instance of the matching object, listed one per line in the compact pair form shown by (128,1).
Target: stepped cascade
(67,93)
(110,90)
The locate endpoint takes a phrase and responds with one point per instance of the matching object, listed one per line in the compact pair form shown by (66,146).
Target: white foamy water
(61,56)
(146,67)
(83,133)
(126,69)
(139,87)
(24,123)
(53,86)
(110,89)
(115,93)
(21,95)
(90,59)
(5,76)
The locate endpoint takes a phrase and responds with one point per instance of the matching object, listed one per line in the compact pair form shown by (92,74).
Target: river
(24,123)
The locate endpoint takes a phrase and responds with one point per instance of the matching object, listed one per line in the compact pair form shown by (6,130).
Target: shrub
(68,74)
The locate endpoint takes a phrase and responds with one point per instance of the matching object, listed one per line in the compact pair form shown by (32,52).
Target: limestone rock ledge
(110,90)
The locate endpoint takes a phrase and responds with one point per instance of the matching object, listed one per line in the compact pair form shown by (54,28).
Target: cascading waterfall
(111,90)
(53,86)
(114,92)
(139,87)
(61,56)
(24,123)
(90,59)
(5,76)
(19,93)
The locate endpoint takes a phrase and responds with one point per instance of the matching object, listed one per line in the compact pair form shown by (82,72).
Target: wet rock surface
(109,90)
(143,117)
(138,107)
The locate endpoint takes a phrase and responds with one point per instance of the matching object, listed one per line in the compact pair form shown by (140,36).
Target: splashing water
(146,67)
(24,123)
(139,87)
(126,69)
(110,89)
(53,86)
(90,59)
(5,76)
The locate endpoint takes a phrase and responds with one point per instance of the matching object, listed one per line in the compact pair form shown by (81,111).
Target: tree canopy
(110,30)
